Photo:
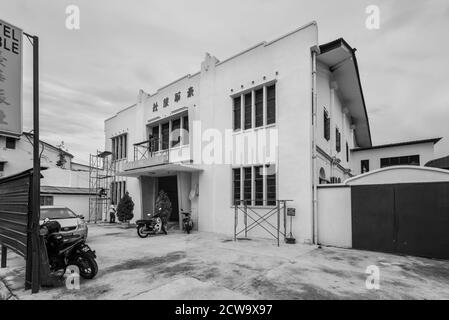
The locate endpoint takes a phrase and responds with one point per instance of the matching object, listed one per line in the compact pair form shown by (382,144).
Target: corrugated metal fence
(19,228)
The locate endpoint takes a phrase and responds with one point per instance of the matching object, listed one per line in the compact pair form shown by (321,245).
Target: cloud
(123,46)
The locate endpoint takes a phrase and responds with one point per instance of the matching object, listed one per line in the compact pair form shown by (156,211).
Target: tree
(125,208)
(61,157)
(163,202)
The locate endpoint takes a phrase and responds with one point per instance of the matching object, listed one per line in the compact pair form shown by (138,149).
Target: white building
(417,153)
(66,184)
(274,88)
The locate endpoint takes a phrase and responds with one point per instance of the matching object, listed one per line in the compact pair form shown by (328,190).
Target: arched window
(322,177)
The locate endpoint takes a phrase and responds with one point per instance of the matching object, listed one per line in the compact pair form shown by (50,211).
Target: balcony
(152,155)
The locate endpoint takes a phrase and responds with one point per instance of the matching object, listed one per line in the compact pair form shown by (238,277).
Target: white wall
(286,61)
(65,178)
(334,216)
(21,158)
(77,203)
(400,174)
(424,150)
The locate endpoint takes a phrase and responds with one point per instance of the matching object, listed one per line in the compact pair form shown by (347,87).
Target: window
(185,132)
(327,126)
(260,184)
(165,136)
(259,107)
(261,117)
(2,166)
(237,113)
(347,152)
(10,143)
(46,200)
(248,110)
(271,189)
(400,161)
(322,176)
(271,104)
(247,185)
(364,166)
(176,138)
(337,140)
(118,189)
(154,145)
(236,182)
(119,145)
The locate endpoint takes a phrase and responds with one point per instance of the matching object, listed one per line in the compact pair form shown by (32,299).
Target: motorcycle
(66,250)
(153,225)
(187,222)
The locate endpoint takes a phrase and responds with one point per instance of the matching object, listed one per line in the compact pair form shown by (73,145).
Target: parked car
(71,223)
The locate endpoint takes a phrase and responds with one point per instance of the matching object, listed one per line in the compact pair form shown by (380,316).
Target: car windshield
(57,213)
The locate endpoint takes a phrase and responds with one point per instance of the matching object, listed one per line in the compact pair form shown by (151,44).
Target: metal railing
(261,219)
(149,148)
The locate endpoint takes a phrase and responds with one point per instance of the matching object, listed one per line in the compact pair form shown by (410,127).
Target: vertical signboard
(10,79)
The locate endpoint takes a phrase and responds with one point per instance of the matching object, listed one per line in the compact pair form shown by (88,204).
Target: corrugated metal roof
(65,190)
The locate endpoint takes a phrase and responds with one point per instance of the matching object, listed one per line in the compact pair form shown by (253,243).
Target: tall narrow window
(120,139)
(271,104)
(248,110)
(125,142)
(114,155)
(176,137)
(347,152)
(271,189)
(165,136)
(259,107)
(154,142)
(236,187)
(327,126)
(258,185)
(247,185)
(237,113)
(337,140)
(185,127)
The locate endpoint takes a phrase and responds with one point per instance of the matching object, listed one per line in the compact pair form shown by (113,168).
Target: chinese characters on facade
(177,98)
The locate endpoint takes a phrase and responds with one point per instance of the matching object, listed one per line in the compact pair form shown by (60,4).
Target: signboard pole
(36,170)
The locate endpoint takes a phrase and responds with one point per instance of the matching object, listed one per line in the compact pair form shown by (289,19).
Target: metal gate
(410,218)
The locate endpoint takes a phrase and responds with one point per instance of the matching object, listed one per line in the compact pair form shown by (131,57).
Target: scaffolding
(101,175)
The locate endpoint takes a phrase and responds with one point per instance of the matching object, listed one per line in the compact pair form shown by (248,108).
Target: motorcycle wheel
(87,265)
(141,233)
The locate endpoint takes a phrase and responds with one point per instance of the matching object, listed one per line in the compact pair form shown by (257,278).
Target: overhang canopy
(340,58)
(165,169)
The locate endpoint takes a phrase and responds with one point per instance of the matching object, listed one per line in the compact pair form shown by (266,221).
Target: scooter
(153,225)
(187,222)
(66,250)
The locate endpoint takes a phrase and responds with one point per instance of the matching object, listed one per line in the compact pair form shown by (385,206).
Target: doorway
(170,186)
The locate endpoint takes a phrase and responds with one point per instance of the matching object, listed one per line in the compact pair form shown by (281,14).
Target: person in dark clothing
(112,211)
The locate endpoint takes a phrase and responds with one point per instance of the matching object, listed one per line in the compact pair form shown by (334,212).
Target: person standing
(112,211)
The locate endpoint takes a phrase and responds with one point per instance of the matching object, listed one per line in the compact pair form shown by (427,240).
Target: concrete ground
(211,266)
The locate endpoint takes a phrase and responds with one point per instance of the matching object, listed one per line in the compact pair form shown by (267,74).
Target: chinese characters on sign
(10,79)
(177,98)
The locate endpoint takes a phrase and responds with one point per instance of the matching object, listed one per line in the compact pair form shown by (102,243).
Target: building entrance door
(170,186)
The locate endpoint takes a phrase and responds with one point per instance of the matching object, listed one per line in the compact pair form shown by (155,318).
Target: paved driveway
(211,266)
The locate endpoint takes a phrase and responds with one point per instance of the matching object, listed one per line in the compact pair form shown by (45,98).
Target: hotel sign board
(10,79)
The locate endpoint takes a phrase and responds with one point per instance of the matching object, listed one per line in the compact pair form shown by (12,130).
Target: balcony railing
(150,148)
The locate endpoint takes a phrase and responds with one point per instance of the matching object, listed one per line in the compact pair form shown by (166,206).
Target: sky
(87,75)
